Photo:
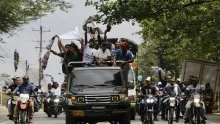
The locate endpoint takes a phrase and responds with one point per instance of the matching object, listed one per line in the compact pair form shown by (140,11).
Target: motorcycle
(170,110)
(12,101)
(196,107)
(54,107)
(149,101)
(208,104)
(23,106)
(183,104)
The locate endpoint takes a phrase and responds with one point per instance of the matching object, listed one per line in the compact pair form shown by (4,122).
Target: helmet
(148,79)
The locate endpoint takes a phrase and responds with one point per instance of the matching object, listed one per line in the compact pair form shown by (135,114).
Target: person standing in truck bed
(125,55)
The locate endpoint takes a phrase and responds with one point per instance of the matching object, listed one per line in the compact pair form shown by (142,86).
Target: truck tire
(125,119)
(132,114)
(70,120)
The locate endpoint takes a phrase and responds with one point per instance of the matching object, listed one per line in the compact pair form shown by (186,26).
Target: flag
(47,54)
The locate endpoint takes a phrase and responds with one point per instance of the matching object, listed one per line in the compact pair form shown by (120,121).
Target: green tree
(15,13)
(180,29)
(191,33)
(147,58)
(117,11)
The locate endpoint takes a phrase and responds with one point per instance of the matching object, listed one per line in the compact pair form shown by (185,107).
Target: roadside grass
(4,98)
(3,108)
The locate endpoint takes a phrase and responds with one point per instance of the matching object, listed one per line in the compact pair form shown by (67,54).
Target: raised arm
(60,45)
(164,82)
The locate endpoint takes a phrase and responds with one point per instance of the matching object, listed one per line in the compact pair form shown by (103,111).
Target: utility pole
(26,67)
(40,53)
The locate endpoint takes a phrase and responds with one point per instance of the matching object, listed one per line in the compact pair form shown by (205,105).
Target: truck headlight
(122,97)
(114,98)
(80,99)
(73,99)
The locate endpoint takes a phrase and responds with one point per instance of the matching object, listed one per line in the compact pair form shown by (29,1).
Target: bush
(4,98)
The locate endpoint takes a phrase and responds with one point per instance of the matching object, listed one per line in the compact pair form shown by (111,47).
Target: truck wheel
(132,114)
(70,120)
(125,119)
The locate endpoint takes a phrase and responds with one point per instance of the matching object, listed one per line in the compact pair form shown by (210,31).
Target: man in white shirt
(56,91)
(102,54)
(89,52)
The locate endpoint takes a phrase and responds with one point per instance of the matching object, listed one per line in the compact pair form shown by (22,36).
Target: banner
(47,54)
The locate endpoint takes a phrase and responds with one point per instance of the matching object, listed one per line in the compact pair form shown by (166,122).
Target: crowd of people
(171,87)
(23,85)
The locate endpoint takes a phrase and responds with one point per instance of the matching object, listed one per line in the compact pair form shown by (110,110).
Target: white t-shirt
(99,54)
(56,91)
(88,53)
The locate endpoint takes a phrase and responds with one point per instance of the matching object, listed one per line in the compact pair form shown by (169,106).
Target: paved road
(41,118)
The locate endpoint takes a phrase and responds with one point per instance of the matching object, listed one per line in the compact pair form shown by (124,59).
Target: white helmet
(148,79)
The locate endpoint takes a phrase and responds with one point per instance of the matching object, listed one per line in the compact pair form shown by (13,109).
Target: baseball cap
(124,44)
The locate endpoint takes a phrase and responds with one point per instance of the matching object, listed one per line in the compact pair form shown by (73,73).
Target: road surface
(41,118)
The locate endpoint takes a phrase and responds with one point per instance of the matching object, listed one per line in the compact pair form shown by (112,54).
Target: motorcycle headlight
(56,100)
(23,100)
(48,100)
(196,100)
(150,100)
(172,100)
(114,98)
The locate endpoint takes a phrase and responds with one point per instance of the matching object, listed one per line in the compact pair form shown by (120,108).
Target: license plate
(78,113)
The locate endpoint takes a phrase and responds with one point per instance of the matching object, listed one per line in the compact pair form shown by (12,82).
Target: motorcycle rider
(193,89)
(46,96)
(148,86)
(24,88)
(181,85)
(16,82)
(209,97)
(172,90)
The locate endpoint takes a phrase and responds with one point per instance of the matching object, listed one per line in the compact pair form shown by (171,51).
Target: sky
(58,23)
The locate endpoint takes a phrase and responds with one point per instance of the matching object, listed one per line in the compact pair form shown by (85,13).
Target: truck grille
(97,99)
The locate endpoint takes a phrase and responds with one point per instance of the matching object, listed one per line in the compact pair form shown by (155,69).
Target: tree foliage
(15,13)
(179,29)
(191,33)
(147,59)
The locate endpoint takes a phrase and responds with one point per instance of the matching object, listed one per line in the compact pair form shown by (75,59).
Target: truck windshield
(99,77)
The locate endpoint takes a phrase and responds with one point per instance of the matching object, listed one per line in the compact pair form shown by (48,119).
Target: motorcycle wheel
(170,116)
(197,119)
(23,120)
(56,112)
(151,118)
